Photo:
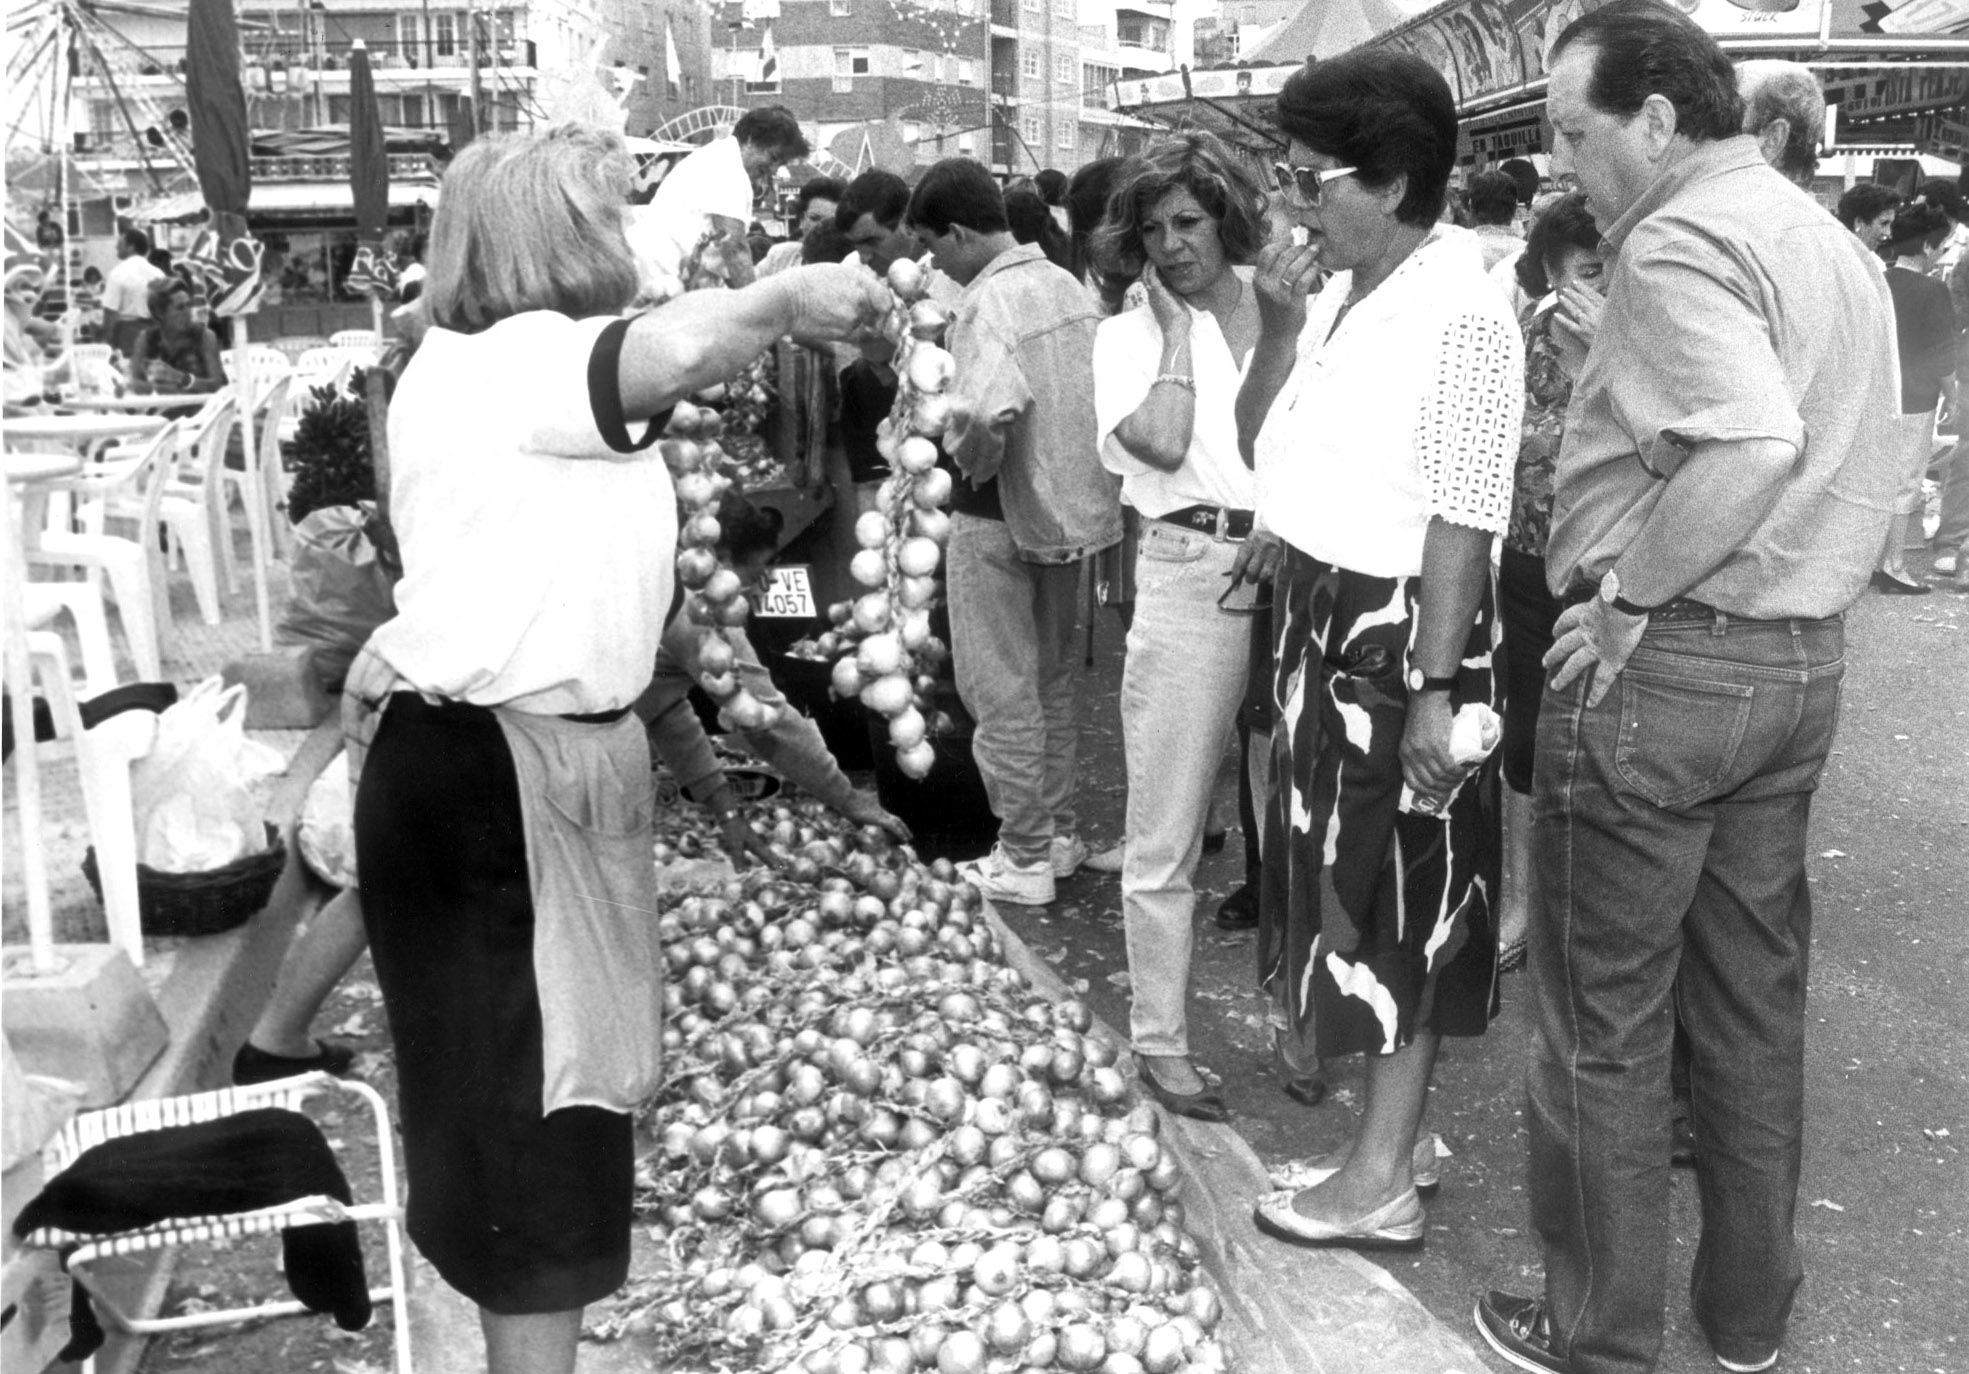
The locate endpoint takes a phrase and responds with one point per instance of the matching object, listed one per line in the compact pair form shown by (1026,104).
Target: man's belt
(1682,608)
(1221,521)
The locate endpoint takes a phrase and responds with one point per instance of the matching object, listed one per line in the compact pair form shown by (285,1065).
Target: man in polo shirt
(712,191)
(1721,497)
(1031,502)
(126,291)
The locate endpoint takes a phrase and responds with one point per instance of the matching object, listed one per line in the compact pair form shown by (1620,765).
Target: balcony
(1005,13)
(288,51)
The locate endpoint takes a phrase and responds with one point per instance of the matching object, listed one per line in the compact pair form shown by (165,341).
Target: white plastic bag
(191,796)
(327,833)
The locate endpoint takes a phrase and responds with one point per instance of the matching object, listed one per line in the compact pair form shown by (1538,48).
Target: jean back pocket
(1679,735)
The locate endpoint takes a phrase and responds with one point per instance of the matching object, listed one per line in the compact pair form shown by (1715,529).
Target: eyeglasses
(1306,182)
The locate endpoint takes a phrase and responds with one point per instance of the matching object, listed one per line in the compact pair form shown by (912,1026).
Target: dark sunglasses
(1306,182)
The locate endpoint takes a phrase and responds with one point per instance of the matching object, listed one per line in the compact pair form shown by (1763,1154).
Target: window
(1035,6)
(1065,9)
(840,8)
(1029,63)
(848,64)
(967,71)
(1069,136)
(1029,128)
(444,34)
(1063,66)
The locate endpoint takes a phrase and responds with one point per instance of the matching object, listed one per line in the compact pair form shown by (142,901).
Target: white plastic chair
(135,567)
(192,506)
(95,366)
(265,476)
(270,365)
(42,602)
(291,1094)
(298,344)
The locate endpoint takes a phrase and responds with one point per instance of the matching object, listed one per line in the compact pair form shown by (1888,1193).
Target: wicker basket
(205,903)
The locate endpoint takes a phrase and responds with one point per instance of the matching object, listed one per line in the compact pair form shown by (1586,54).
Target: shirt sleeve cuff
(605,393)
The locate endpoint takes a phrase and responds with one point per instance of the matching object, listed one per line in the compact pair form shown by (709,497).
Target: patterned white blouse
(1409,410)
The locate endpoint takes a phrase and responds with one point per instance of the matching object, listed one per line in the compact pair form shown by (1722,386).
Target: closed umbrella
(369,181)
(226,256)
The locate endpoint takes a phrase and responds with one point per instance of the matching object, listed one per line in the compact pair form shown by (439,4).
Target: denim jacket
(1023,406)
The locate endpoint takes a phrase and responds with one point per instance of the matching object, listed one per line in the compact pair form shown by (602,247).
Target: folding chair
(94,1128)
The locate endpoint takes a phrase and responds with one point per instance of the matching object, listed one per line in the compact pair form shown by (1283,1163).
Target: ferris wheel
(66,60)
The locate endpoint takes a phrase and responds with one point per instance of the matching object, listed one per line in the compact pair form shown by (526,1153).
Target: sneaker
(1107,861)
(1947,561)
(998,879)
(1519,1330)
(1749,1366)
(1069,853)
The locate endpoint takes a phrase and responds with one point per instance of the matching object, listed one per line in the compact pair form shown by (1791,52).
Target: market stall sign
(789,595)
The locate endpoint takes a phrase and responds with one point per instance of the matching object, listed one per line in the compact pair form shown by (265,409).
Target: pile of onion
(714,599)
(879,1149)
(888,654)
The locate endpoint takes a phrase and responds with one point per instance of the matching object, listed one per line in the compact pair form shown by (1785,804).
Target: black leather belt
(1681,609)
(599,717)
(1221,521)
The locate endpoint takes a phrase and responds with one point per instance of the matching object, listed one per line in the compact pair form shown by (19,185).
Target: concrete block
(283,689)
(91,1021)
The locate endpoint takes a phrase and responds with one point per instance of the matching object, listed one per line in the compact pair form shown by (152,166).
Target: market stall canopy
(315,200)
(1324,30)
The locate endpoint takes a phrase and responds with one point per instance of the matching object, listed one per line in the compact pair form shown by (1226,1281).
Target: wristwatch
(1419,681)
(1610,593)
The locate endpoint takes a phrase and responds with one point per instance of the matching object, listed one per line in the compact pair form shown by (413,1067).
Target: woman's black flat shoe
(1240,910)
(1308,1089)
(1202,1105)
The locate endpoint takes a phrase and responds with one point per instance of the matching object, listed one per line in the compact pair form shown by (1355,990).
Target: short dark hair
(875,192)
(137,241)
(1868,200)
(1525,173)
(1920,225)
(826,244)
(1087,202)
(1643,48)
(1195,162)
(1386,114)
(1031,220)
(820,188)
(1566,223)
(773,128)
(1947,195)
(958,190)
(1051,184)
(1492,198)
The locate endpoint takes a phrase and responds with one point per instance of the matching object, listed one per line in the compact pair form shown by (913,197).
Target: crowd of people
(1688,408)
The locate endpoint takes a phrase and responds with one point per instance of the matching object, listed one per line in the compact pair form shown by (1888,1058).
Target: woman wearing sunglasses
(1186,221)
(1384,417)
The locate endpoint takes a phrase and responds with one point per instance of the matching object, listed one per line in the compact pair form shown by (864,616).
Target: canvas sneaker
(1948,561)
(998,879)
(1069,853)
(1749,1366)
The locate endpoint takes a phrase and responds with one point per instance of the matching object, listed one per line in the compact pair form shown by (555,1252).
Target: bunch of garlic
(891,651)
(715,598)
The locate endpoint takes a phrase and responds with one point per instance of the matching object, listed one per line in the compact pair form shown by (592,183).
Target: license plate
(789,595)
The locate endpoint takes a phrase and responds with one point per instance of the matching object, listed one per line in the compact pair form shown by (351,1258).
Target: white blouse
(1410,410)
(1127,360)
(538,532)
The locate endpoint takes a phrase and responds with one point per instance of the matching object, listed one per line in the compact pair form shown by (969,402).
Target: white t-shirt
(538,531)
(126,288)
(1127,360)
(1410,410)
(711,181)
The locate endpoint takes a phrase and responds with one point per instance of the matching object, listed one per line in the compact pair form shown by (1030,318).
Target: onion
(847,677)
(872,613)
(869,567)
(918,592)
(930,415)
(871,530)
(907,279)
(714,654)
(919,557)
(880,655)
(927,320)
(695,567)
(932,489)
(703,530)
(930,368)
(917,760)
(889,696)
(906,728)
(916,455)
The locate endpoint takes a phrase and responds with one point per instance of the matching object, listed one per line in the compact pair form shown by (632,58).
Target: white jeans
(1180,691)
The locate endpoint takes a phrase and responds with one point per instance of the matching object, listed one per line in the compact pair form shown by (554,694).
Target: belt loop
(1720,626)
(1223,522)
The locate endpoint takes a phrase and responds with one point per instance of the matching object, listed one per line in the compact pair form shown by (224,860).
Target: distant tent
(1325,28)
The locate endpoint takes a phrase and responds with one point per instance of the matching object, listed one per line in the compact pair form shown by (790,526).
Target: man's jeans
(1011,630)
(1180,691)
(1670,837)
(1953,531)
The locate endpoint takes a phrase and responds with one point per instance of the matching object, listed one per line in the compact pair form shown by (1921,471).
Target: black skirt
(519,1212)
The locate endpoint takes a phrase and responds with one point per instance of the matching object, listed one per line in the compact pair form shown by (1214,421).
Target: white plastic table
(78,430)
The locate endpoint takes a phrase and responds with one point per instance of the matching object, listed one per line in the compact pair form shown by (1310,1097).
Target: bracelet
(1178,379)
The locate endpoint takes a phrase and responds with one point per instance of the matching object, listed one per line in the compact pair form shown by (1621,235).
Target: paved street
(1884,1209)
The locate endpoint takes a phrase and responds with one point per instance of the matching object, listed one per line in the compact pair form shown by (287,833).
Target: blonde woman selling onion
(503,817)
(1182,218)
